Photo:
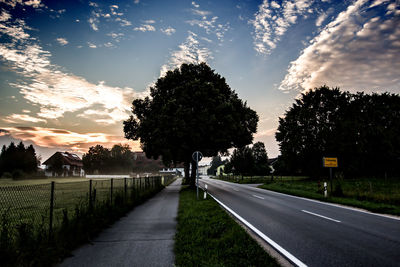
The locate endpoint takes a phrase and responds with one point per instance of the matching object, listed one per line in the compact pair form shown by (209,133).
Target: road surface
(312,232)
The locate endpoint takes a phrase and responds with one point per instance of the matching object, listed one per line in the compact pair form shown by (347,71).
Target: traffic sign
(330,162)
(197,156)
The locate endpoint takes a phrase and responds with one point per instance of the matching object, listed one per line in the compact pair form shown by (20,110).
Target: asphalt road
(315,233)
(144,237)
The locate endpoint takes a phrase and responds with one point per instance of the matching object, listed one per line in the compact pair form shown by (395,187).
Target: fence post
(111,191)
(125,188)
(90,195)
(51,209)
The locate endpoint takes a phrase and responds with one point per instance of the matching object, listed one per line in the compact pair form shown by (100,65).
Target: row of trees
(249,161)
(362,130)
(17,160)
(118,159)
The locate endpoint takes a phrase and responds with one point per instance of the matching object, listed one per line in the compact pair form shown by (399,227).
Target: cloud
(91,45)
(210,25)
(150,21)
(268,132)
(4,16)
(189,51)
(136,2)
(62,41)
(116,36)
(54,91)
(145,28)
(272,20)
(93,22)
(195,5)
(32,3)
(65,140)
(123,22)
(168,31)
(356,51)
(16,118)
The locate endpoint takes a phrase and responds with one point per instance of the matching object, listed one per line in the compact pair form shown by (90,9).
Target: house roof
(68,159)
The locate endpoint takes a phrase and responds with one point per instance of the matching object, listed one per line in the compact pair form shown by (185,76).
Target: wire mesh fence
(44,207)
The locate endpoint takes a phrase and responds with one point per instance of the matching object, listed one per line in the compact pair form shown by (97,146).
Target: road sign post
(330,163)
(197,156)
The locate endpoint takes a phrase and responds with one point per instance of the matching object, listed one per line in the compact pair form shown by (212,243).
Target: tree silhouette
(190,108)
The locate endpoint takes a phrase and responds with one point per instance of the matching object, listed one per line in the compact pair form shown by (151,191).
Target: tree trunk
(192,181)
(186,166)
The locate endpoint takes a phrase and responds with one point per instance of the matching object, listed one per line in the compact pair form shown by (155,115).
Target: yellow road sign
(330,162)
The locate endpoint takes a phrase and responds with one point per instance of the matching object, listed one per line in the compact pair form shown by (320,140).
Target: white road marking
(258,197)
(315,214)
(237,190)
(263,236)
(393,217)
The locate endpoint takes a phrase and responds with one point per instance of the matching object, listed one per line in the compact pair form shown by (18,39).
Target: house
(64,164)
(220,170)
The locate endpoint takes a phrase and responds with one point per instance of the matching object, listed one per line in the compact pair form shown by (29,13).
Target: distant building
(203,169)
(220,170)
(71,165)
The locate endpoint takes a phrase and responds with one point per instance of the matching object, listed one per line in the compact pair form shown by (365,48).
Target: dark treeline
(249,161)
(101,160)
(15,161)
(361,130)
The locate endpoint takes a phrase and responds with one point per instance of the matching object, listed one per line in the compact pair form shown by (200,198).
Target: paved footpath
(144,237)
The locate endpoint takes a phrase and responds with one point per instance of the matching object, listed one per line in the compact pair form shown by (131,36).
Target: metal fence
(44,206)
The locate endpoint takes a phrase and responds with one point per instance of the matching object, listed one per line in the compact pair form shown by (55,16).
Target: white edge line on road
(237,190)
(315,214)
(258,197)
(262,235)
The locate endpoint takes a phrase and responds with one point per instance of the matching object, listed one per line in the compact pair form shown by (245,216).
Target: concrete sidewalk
(144,237)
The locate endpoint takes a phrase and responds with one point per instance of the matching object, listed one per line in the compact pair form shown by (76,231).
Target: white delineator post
(325,190)
(205,192)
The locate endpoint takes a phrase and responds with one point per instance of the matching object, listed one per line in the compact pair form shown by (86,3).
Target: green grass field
(208,236)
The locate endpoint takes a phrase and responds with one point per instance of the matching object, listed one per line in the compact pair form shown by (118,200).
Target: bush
(6,175)
(338,192)
(18,174)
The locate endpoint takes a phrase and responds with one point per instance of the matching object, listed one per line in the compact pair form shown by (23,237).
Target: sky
(69,70)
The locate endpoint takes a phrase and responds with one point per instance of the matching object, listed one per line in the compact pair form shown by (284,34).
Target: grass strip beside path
(208,236)
(308,189)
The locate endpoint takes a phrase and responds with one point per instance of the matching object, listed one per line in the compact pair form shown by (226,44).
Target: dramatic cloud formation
(189,52)
(65,140)
(272,21)
(53,90)
(356,51)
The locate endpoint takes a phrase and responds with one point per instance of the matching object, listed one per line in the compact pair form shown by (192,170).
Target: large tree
(191,108)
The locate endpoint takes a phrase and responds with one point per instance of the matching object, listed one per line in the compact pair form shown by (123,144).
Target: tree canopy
(362,130)
(21,158)
(190,108)
(118,159)
(248,160)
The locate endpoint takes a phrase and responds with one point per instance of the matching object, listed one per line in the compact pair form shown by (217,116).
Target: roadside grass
(208,236)
(376,195)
